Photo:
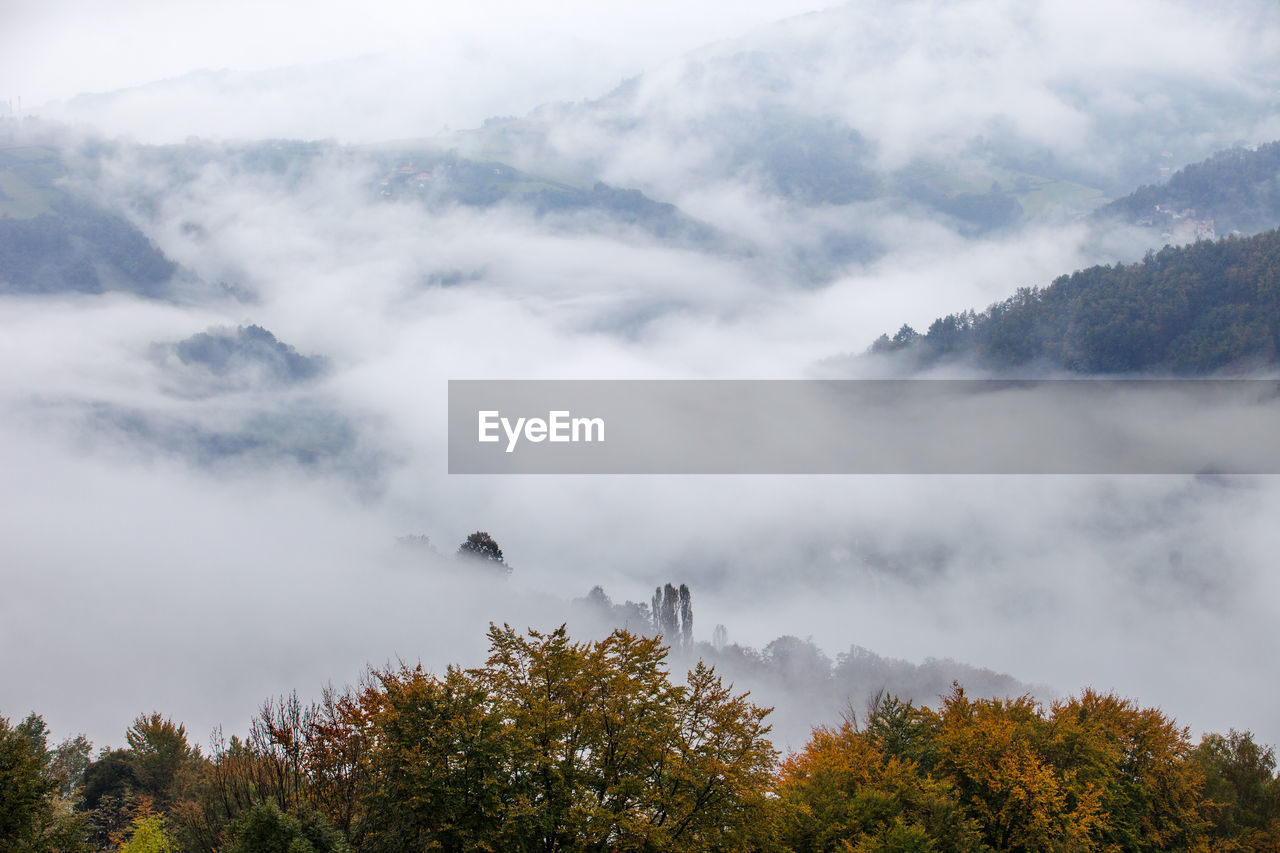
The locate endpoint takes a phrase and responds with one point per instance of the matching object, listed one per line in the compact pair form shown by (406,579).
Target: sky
(379,70)
(147,576)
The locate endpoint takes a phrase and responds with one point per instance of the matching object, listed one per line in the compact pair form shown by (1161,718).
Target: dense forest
(52,241)
(562,745)
(1238,190)
(1193,309)
(81,248)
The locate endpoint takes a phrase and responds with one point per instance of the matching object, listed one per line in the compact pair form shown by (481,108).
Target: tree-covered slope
(1236,190)
(54,242)
(557,745)
(1188,310)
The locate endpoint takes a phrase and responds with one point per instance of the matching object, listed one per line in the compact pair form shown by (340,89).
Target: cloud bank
(196,543)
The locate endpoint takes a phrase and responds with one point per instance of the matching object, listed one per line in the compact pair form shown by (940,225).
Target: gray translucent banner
(864,427)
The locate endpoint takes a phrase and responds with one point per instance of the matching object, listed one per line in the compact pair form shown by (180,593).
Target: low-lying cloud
(148,572)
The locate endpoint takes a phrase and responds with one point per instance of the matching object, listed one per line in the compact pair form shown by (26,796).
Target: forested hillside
(53,242)
(1235,190)
(1194,309)
(248,263)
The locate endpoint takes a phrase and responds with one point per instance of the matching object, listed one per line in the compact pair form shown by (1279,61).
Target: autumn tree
(109,793)
(552,745)
(716,787)
(556,745)
(161,757)
(847,791)
(991,751)
(435,775)
(302,759)
(1094,772)
(610,754)
(588,725)
(149,834)
(159,772)
(1139,762)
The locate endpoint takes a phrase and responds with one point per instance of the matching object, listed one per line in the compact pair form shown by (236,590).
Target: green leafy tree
(435,775)
(1242,791)
(608,754)
(108,794)
(481,548)
(68,762)
(1193,309)
(555,745)
(149,834)
(266,829)
(158,772)
(25,789)
(33,817)
(161,757)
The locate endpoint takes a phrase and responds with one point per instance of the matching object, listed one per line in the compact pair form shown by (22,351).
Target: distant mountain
(985,122)
(307,434)
(54,242)
(813,144)
(1233,191)
(439,178)
(436,177)
(789,153)
(1193,310)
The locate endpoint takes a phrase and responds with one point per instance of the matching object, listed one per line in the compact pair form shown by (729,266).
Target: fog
(163,71)
(193,533)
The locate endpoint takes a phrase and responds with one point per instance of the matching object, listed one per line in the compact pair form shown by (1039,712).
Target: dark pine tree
(686,618)
(482,547)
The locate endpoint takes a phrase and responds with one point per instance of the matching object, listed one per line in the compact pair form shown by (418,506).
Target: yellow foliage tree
(556,745)
(148,834)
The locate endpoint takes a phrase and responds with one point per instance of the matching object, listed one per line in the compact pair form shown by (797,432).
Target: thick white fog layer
(195,539)
(381,70)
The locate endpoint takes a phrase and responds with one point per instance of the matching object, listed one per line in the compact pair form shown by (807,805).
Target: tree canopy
(481,548)
(557,745)
(1188,310)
